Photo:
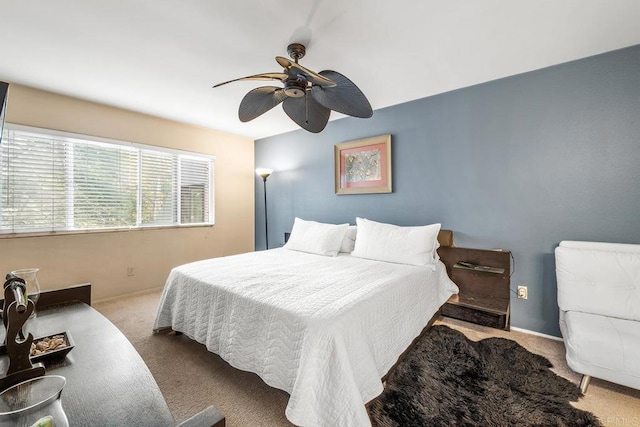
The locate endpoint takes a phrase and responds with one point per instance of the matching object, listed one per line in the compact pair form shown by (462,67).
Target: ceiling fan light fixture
(294,92)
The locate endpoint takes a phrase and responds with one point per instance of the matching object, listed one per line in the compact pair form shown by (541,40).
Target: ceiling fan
(307,97)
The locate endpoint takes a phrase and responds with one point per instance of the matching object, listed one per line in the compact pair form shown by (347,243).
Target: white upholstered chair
(599,300)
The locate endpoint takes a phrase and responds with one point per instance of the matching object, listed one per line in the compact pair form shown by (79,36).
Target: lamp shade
(264,172)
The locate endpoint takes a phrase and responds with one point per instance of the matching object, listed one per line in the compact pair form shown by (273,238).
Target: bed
(324,329)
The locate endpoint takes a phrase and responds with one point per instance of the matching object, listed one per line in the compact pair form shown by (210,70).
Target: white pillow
(349,241)
(392,243)
(316,237)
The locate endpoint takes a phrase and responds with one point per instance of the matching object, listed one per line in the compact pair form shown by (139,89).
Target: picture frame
(363,166)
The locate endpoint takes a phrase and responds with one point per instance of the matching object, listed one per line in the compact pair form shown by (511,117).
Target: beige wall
(103,258)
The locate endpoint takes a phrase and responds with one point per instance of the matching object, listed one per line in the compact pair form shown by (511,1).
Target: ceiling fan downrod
(297,51)
(296,88)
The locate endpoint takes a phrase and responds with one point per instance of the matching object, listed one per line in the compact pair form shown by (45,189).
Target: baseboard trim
(130,294)
(538,334)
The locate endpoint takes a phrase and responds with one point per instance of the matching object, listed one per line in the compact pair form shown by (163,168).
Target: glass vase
(31,400)
(30,277)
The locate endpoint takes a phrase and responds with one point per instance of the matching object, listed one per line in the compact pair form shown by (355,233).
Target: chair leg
(584,383)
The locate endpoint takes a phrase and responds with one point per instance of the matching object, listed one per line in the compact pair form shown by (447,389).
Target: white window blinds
(52,182)
(158,187)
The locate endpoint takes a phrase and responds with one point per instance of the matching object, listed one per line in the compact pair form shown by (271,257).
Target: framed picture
(363,166)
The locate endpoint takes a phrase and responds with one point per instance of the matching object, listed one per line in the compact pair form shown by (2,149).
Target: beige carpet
(191,378)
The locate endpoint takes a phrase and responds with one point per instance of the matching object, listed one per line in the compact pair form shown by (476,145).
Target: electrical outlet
(130,271)
(522,292)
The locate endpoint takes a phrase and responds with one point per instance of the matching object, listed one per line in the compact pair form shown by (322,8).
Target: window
(52,181)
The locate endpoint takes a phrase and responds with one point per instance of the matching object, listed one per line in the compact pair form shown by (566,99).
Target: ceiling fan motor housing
(295,87)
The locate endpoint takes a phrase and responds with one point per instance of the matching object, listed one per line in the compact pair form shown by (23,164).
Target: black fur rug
(449,380)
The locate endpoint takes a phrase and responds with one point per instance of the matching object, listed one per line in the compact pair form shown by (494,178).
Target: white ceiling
(162,57)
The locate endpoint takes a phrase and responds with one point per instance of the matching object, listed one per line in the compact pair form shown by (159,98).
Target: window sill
(110,230)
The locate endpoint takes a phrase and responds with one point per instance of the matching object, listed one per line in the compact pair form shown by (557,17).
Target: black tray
(56,355)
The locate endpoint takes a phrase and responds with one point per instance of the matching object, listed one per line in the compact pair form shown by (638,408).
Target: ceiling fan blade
(311,76)
(344,98)
(307,113)
(259,101)
(265,76)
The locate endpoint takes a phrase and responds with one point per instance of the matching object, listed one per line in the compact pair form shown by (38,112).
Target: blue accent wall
(519,163)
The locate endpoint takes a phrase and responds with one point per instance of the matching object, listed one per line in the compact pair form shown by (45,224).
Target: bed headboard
(445,238)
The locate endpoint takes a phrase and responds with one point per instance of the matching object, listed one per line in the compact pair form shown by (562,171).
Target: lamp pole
(266,221)
(264,173)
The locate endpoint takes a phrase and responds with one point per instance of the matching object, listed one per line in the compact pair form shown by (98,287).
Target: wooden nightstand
(483,277)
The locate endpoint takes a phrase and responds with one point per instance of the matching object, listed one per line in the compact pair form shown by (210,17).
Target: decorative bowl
(52,348)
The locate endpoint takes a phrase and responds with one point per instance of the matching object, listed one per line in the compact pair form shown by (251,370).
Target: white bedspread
(323,329)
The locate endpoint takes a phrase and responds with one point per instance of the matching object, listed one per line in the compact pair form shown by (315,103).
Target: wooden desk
(108,383)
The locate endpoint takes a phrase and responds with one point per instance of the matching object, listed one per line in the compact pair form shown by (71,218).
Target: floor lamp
(264,173)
